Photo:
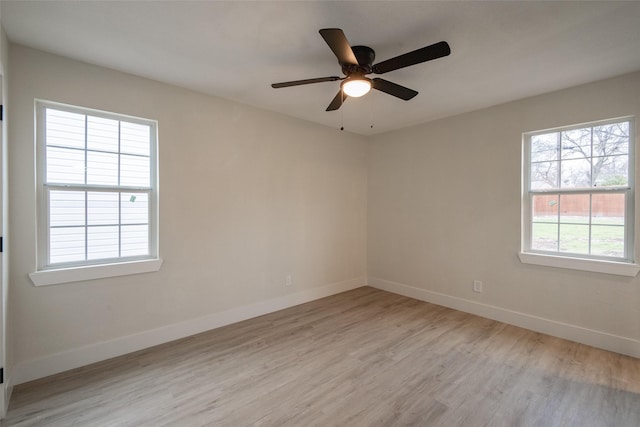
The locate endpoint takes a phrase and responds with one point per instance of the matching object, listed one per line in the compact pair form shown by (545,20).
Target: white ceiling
(501,51)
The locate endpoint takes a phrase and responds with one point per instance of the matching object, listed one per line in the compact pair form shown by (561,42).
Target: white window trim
(46,275)
(92,272)
(593,265)
(569,261)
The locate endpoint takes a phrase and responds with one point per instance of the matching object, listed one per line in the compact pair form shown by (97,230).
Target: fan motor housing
(365,56)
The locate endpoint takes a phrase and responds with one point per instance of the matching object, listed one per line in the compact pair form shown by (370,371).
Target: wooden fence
(602,205)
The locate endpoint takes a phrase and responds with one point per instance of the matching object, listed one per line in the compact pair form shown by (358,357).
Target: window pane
(611,139)
(64,129)
(544,237)
(135,240)
(102,242)
(545,208)
(608,209)
(576,144)
(65,166)
(134,171)
(576,174)
(574,238)
(102,168)
(104,153)
(607,240)
(66,244)
(544,147)
(574,208)
(544,175)
(102,134)
(102,208)
(66,208)
(611,171)
(583,220)
(135,208)
(135,138)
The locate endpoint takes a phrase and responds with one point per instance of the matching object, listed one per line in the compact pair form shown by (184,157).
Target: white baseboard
(603,340)
(74,358)
(7,390)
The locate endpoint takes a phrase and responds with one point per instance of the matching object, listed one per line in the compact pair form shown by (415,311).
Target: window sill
(91,272)
(597,266)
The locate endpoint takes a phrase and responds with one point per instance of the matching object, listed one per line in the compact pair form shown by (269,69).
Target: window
(578,194)
(97,189)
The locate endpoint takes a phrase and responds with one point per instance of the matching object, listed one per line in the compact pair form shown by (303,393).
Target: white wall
(444,209)
(5,326)
(246,197)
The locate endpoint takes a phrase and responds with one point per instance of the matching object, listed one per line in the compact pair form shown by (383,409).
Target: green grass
(607,236)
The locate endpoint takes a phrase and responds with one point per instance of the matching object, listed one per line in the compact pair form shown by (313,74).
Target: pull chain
(341,109)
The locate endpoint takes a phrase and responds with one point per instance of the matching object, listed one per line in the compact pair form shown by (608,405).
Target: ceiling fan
(357,62)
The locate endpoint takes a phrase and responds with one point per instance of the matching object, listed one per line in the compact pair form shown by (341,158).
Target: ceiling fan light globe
(356,87)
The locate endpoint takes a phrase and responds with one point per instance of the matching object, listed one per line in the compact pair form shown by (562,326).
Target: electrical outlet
(477,286)
(288,281)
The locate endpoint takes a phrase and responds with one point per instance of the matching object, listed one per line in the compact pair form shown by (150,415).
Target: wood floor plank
(361,358)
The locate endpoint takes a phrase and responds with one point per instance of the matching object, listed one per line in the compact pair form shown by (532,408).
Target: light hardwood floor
(361,358)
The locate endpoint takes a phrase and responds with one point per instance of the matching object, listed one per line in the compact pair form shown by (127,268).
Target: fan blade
(393,89)
(338,43)
(305,82)
(418,56)
(337,101)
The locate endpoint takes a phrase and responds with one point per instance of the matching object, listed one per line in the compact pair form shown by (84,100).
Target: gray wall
(246,198)
(444,209)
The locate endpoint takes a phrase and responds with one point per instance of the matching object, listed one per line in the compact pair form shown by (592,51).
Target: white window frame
(626,265)
(49,274)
